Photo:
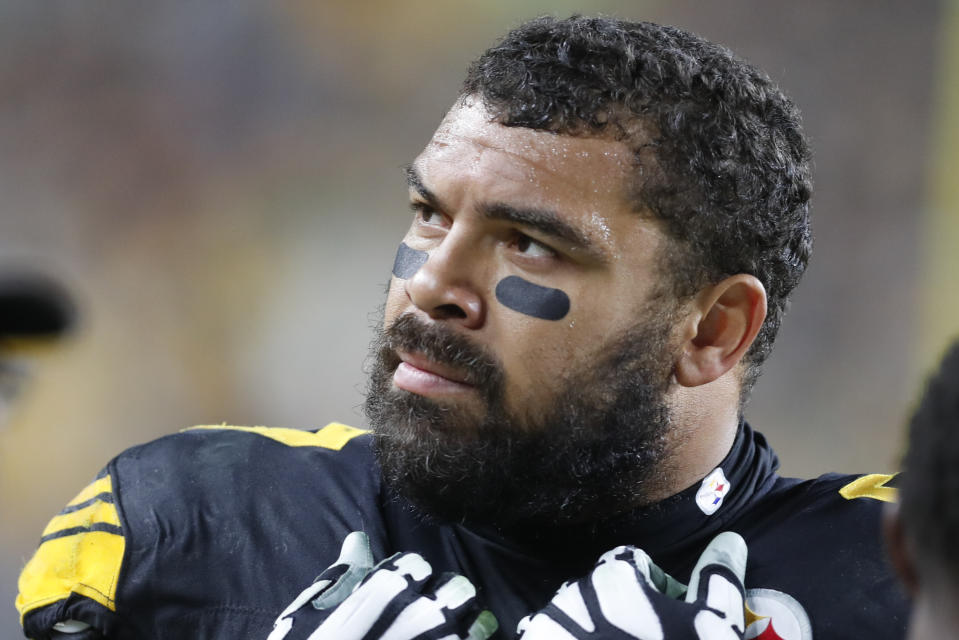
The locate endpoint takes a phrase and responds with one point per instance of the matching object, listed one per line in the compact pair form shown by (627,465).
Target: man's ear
(897,547)
(725,320)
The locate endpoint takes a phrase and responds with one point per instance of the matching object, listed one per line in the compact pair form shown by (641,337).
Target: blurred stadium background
(220,187)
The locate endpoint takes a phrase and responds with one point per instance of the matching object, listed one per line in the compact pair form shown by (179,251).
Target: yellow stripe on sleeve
(81,552)
(95,513)
(333,436)
(92,490)
(87,564)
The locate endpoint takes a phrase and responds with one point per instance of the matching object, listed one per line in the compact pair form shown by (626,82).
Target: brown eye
(532,248)
(425,214)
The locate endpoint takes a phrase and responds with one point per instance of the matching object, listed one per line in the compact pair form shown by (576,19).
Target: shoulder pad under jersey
(82,565)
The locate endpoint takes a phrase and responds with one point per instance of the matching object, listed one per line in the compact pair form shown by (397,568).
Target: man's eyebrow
(546,222)
(416,183)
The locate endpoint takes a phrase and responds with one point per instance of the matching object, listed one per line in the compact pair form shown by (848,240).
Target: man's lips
(420,375)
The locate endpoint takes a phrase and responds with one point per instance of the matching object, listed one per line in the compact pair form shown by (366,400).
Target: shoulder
(834,515)
(207,457)
(220,472)
(170,516)
(817,557)
(216,472)
(220,445)
(838,494)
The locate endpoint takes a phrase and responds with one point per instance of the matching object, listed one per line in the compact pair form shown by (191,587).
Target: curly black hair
(929,488)
(719,151)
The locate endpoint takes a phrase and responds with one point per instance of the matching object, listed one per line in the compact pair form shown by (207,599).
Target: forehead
(544,168)
(473,165)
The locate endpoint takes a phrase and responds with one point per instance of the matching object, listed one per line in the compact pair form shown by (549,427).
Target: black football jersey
(211,532)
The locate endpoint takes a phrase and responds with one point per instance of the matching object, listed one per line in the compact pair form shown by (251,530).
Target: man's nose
(446,286)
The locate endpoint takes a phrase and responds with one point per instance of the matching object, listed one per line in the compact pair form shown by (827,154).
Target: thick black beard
(596,453)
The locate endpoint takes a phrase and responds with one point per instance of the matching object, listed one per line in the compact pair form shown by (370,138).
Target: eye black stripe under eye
(532,299)
(408,261)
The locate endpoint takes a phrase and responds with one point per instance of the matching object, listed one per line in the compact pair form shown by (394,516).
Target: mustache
(443,346)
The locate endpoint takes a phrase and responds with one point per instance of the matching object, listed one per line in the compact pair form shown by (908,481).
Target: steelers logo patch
(774,615)
(712,491)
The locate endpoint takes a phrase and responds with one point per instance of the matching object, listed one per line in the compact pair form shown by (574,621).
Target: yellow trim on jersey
(871,486)
(98,512)
(86,563)
(81,552)
(92,490)
(333,436)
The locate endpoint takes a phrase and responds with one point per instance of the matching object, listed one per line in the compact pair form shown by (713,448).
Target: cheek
(537,361)
(395,300)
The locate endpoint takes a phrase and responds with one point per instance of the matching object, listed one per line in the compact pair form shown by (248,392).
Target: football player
(606,228)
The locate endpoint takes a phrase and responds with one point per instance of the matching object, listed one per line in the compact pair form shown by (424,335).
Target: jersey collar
(667,530)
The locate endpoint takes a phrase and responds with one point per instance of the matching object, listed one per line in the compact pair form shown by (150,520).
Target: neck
(704,424)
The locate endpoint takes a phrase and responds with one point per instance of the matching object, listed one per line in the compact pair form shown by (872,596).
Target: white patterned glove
(398,599)
(628,597)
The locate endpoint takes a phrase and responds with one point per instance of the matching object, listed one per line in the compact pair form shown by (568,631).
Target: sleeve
(73,574)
